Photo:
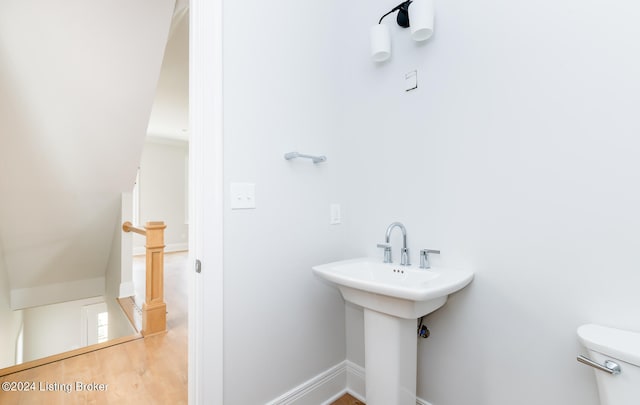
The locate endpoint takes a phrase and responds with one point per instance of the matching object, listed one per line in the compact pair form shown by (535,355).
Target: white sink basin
(402,291)
(393,296)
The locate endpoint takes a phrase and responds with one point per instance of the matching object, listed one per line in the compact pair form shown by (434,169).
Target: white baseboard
(318,390)
(328,386)
(170,248)
(355,380)
(55,293)
(356,383)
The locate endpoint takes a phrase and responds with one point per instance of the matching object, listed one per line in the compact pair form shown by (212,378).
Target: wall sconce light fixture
(419,17)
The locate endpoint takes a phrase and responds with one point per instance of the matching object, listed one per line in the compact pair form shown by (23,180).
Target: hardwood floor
(347,399)
(144,371)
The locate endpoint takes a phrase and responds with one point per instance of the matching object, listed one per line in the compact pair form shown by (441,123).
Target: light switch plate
(243,196)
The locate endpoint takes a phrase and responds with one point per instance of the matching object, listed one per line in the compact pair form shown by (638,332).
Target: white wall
(113,273)
(53,329)
(517,157)
(119,274)
(57,328)
(163,191)
(119,325)
(282,326)
(10,321)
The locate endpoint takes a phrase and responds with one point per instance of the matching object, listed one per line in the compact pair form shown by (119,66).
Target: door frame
(206,191)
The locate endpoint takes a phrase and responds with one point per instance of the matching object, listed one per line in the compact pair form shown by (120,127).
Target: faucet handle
(424,257)
(404,258)
(387,251)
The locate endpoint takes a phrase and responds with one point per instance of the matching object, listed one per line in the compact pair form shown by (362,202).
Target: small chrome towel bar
(609,366)
(315,159)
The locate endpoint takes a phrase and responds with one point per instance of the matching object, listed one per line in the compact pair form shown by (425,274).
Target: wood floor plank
(347,399)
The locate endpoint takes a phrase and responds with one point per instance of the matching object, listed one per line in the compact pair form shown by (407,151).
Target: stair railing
(154,309)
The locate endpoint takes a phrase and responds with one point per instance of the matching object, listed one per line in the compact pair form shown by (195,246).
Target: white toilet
(607,348)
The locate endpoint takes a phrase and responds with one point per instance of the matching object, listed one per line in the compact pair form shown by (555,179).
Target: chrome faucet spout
(387,235)
(404,256)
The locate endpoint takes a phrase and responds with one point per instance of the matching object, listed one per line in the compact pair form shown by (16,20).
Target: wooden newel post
(154,309)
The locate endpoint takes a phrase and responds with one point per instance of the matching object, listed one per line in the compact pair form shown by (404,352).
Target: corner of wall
(126,248)
(11,321)
(119,324)
(112,273)
(119,280)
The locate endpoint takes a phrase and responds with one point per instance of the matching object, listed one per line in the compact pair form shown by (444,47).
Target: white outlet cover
(336,216)
(242,195)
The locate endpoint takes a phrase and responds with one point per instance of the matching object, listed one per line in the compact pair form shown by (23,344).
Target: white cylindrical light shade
(421,14)
(380,43)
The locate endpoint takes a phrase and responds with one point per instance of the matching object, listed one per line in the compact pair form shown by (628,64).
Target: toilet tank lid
(621,344)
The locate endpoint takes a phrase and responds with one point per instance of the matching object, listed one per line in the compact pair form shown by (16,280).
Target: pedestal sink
(393,297)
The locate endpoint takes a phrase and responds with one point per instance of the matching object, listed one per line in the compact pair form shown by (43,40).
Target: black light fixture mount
(403,14)
(422,12)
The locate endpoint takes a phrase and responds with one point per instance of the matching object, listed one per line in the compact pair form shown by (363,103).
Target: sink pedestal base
(390,359)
